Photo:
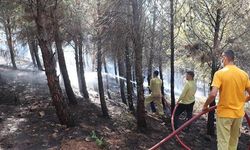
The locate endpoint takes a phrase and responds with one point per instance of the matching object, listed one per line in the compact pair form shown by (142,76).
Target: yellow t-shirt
(155,86)
(232,83)
(187,94)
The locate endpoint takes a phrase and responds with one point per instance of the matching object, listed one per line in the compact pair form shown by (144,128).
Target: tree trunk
(62,109)
(81,69)
(94,59)
(151,54)
(134,76)
(100,82)
(32,53)
(160,68)
(121,75)
(141,121)
(77,65)
(204,86)
(172,53)
(62,64)
(115,68)
(129,78)
(99,69)
(8,33)
(162,86)
(35,50)
(211,119)
(107,78)
(152,47)
(150,69)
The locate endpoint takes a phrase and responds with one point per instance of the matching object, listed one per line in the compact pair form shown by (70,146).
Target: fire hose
(172,124)
(180,128)
(175,132)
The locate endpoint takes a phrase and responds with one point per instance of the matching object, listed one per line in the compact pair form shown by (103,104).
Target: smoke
(24,62)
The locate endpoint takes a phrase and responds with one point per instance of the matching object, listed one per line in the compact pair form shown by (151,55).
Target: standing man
(186,99)
(231,82)
(155,96)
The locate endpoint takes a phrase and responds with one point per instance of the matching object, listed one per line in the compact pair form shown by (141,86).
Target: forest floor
(28,121)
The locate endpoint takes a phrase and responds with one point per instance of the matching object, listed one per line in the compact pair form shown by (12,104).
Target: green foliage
(98,140)
(93,135)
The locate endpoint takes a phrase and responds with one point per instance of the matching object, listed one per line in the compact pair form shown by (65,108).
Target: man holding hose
(186,100)
(156,95)
(231,82)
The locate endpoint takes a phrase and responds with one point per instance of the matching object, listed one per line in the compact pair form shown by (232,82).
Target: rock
(54,135)
(88,139)
(107,128)
(28,97)
(163,123)
(59,125)
(33,108)
(41,113)
(127,130)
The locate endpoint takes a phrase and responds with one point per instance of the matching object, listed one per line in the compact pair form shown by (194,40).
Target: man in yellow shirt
(155,96)
(186,99)
(231,82)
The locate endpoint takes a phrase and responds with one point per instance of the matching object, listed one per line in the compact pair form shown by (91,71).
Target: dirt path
(28,121)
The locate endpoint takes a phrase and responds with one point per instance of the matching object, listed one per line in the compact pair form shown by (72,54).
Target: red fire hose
(175,132)
(172,124)
(180,128)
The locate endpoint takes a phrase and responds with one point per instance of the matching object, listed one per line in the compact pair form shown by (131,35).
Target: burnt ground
(28,121)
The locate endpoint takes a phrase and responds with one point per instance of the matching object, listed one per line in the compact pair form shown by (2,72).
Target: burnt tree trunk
(134,76)
(62,109)
(35,50)
(160,68)
(32,53)
(162,86)
(81,69)
(161,75)
(141,121)
(129,78)
(77,65)
(121,75)
(99,68)
(211,119)
(62,64)
(115,68)
(172,53)
(107,78)
(151,54)
(152,47)
(8,33)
